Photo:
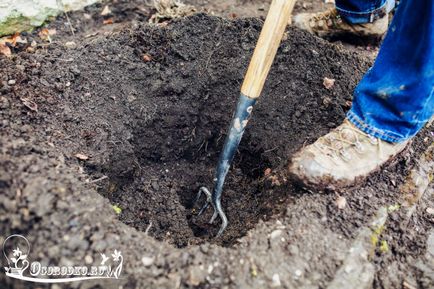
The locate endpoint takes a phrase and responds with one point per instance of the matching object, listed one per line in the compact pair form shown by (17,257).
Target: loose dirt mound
(149,107)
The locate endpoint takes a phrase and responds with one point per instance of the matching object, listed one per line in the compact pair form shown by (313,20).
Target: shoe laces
(338,144)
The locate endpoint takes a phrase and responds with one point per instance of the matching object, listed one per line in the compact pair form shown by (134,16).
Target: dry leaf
(147,57)
(341,202)
(91,35)
(106,11)
(108,21)
(81,156)
(407,285)
(275,181)
(45,33)
(327,101)
(12,39)
(162,24)
(21,40)
(5,50)
(30,104)
(328,82)
(267,172)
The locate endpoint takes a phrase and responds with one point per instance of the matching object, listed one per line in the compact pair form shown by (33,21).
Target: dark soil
(152,128)
(155,128)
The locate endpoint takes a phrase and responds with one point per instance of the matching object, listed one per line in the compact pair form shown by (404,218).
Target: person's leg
(362,11)
(391,104)
(361,18)
(395,98)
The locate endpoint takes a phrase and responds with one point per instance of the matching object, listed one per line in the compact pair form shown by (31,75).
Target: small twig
(148,228)
(69,23)
(270,150)
(211,54)
(66,60)
(62,7)
(99,179)
(201,145)
(407,285)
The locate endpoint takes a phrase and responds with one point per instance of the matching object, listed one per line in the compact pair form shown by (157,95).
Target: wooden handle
(266,48)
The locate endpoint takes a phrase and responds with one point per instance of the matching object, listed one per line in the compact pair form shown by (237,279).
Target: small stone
(147,261)
(298,273)
(81,156)
(70,45)
(155,186)
(279,225)
(88,259)
(106,11)
(328,82)
(276,281)
(267,172)
(341,202)
(131,98)
(430,211)
(275,234)
(146,57)
(12,81)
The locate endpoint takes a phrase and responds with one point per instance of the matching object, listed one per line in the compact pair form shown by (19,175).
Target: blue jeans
(363,11)
(395,98)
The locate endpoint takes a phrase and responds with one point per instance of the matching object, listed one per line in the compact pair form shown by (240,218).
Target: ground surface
(147,108)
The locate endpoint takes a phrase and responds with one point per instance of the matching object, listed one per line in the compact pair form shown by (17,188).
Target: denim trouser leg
(396,96)
(363,11)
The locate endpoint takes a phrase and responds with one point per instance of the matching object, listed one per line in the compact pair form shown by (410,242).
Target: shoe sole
(351,38)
